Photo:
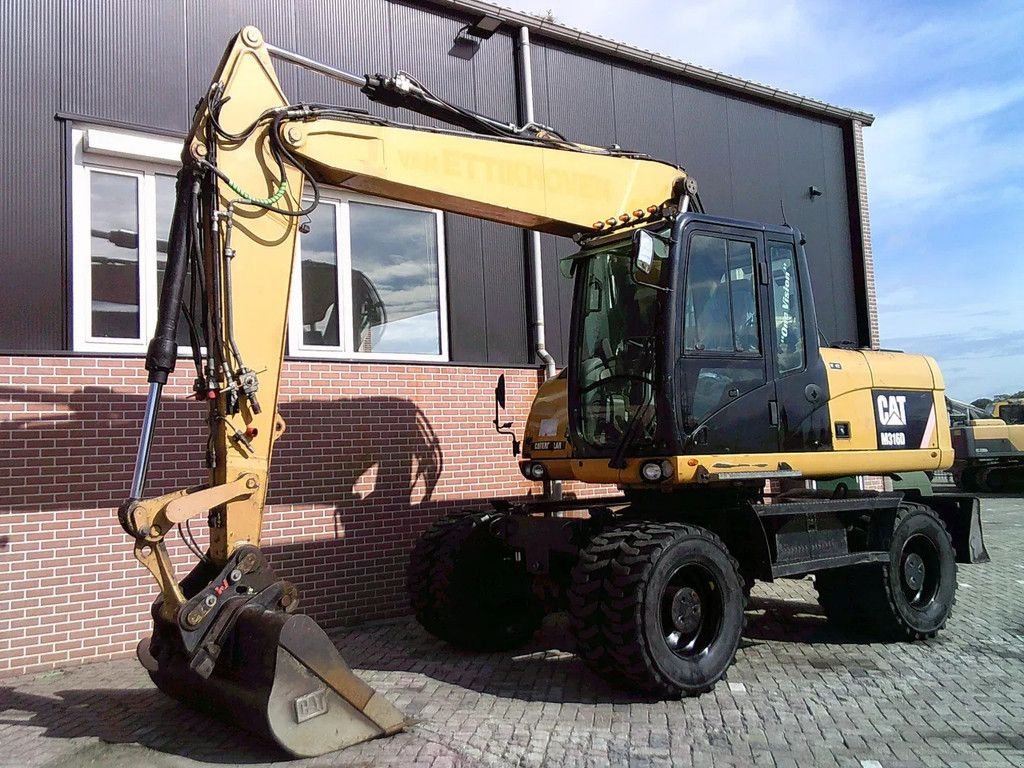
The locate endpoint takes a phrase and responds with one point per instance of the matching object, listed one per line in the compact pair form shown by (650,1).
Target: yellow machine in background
(696,374)
(989,449)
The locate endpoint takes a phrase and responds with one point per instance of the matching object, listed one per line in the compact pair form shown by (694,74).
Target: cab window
(721,303)
(789,327)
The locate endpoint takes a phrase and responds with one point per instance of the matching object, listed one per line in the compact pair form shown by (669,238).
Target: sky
(945,155)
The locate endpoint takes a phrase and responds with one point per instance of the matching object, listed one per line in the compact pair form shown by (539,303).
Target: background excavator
(695,375)
(989,445)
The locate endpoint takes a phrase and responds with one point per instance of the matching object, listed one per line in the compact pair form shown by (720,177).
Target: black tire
(981,482)
(908,598)
(966,480)
(467,589)
(996,480)
(658,608)
(838,595)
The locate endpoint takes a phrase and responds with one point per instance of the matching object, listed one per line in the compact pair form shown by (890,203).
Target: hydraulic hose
(163,349)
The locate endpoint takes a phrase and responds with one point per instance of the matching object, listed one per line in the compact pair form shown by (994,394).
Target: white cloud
(936,151)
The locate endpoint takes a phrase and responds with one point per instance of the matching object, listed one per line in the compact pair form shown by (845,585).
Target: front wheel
(658,607)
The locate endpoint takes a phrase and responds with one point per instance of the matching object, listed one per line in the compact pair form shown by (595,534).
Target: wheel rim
(692,608)
(920,571)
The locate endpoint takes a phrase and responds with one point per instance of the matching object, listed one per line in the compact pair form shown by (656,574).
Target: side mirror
(650,255)
(643,251)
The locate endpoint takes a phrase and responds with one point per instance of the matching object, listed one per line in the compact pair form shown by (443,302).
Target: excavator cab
(692,336)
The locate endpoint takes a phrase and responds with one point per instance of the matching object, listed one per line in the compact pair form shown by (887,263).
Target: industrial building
(388,426)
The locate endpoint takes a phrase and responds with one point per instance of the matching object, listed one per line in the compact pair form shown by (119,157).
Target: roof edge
(599,44)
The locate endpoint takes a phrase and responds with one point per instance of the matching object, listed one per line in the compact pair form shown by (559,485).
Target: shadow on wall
(361,475)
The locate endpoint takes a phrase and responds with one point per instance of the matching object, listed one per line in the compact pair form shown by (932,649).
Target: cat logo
(892,410)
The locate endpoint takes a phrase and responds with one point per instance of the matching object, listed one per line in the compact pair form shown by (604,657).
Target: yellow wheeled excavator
(695,375)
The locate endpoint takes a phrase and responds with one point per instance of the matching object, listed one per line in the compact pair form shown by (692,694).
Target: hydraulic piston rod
(146,440)
(294,58)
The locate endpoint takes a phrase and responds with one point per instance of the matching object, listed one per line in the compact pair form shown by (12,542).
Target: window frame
(726,235)
(118,153)
(341,199)
(102,149)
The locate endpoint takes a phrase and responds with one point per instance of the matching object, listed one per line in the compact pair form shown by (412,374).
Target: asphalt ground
(800,694)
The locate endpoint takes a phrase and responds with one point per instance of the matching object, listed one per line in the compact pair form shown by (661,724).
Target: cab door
(799,410)
(723,380)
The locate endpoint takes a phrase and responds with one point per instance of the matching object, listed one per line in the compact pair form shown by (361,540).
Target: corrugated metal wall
(146,64)
(32,301)
(747,157)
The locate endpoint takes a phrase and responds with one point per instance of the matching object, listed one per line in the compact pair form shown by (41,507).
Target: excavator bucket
(275,673)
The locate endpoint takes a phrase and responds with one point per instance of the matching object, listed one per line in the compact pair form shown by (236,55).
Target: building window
(369,282)
(368,279)
(122,199)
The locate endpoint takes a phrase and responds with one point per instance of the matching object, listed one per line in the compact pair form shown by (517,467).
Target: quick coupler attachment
(238,651)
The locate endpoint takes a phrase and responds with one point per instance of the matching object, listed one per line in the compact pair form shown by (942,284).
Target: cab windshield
(615,354)
(1012,413)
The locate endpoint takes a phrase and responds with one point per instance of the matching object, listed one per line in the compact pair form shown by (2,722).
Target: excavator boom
(227,636)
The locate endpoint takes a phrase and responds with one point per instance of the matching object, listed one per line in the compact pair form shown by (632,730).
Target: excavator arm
(252,167)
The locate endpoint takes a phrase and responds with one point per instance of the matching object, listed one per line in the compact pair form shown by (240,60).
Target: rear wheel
(909,597)
(658,607)
(467,588)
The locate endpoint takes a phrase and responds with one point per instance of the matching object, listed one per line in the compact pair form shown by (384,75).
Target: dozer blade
(279,676)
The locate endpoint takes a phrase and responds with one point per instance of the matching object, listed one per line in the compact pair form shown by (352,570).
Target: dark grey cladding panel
(125,60)
(754,161)
(802,168)
(557,290)
(573,95)
(210,25)
(486,289)
(504,293)
(539,66)
(148,63)
(579,96)
(847,269)
(467,310)
(487,316)
(420,42)
(702,141)
(644,113)
(32,288)
(557,296)
(353,36)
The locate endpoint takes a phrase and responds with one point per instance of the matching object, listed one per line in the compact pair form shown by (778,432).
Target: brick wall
(867,250)
(372,455)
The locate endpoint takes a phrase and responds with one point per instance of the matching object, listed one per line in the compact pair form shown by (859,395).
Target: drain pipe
(533,241)
(552,488)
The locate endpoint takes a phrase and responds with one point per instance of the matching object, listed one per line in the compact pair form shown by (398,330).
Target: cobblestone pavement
(799,695)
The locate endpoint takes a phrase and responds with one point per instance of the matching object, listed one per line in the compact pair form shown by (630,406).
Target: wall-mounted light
(467,40)
(813,192)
